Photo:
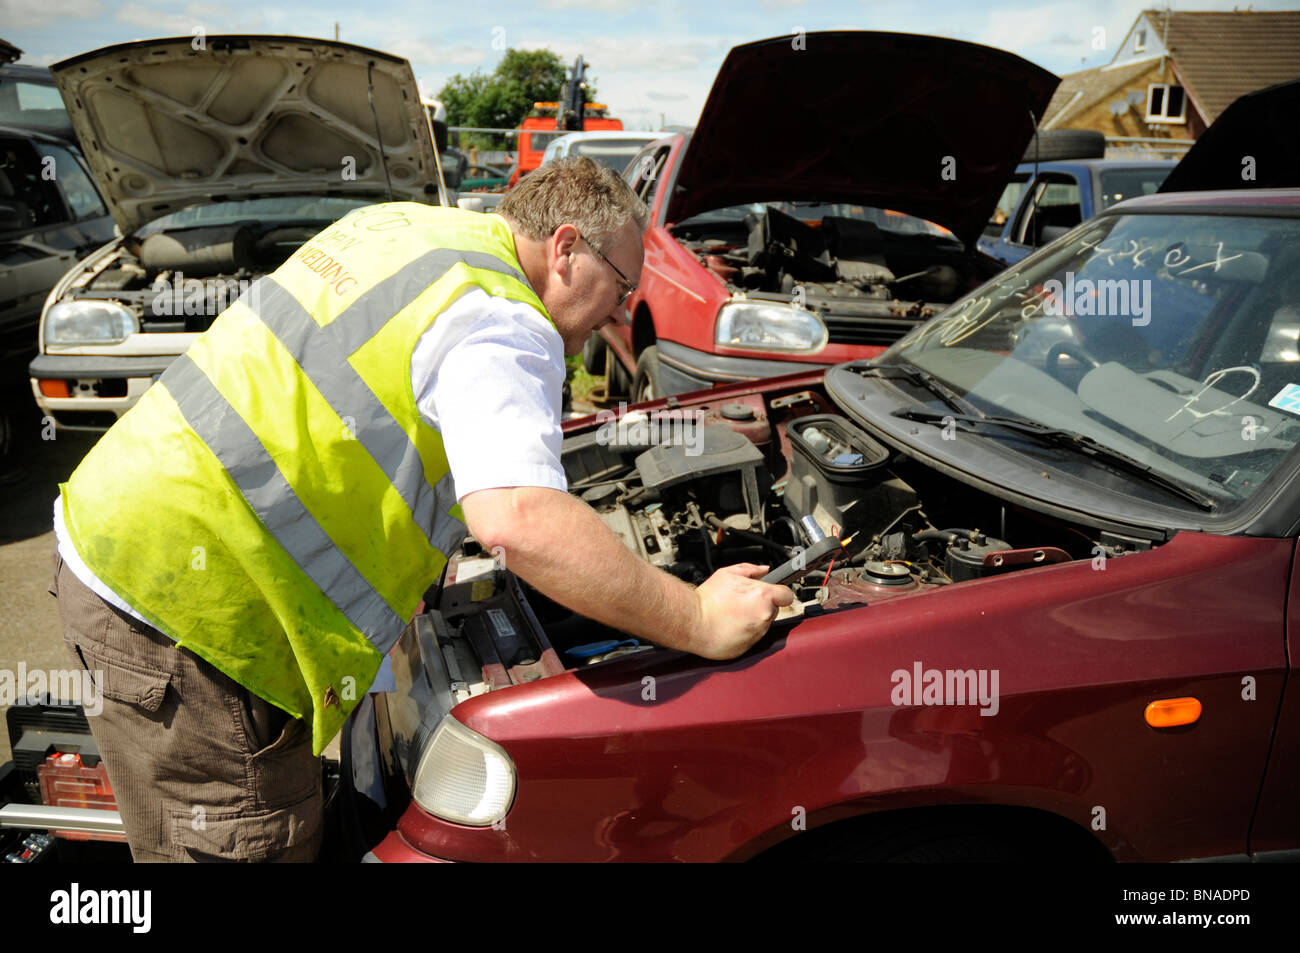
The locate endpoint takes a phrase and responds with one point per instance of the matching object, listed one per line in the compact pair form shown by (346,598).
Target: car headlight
(463,777)
(769,327)
(74,323)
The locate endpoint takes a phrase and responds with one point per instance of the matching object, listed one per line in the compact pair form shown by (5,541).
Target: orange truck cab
(539,128)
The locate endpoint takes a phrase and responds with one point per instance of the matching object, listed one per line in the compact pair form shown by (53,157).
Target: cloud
(651,55)
(29,14)
(40,59)
(213,17)
(425,54)
(604,6)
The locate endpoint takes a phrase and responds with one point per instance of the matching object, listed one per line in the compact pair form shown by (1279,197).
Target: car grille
(869,331)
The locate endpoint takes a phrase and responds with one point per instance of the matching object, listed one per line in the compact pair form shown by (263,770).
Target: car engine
(182,278)
(753,479)
(837,265)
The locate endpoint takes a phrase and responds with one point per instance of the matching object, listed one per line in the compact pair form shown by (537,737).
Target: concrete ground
(29,482)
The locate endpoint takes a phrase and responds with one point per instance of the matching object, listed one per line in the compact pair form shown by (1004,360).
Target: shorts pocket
(123,681)
(289,832)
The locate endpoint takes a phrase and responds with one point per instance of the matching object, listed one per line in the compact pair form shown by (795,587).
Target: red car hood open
(928,126)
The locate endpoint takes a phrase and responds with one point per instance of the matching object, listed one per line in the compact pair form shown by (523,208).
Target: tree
(502,99)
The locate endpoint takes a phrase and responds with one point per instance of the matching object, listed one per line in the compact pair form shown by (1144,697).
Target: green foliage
(502,99)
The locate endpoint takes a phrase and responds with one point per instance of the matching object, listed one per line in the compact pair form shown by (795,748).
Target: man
(238,553)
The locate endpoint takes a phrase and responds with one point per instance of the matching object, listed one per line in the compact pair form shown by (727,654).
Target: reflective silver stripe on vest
(449,531)
(363,318)
(350,397)
(276,504)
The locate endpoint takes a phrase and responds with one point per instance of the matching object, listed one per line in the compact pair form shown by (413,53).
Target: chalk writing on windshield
(1176,259)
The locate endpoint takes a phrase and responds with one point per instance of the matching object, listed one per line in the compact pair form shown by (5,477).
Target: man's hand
(736,608)
(560,546)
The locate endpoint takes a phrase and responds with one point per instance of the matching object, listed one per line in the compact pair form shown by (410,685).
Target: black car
(51,215)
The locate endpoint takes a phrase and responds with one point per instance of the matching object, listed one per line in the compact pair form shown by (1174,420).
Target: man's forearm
(561,547)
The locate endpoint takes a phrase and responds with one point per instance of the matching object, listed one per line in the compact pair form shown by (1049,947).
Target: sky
(653,62)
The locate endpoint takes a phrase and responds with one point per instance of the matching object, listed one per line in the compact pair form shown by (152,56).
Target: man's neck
(532,257)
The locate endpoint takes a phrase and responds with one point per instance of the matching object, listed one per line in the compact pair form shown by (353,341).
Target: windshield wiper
(1073,440)
(927,380)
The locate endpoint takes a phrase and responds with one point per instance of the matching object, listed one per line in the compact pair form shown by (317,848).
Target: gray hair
(577,191)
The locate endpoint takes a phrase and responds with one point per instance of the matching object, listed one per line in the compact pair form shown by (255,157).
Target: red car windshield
(1173,339)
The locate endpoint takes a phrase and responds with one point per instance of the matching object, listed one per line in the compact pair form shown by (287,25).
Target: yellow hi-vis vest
(275,502)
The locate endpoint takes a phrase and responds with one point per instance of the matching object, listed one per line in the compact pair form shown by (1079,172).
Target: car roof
(1229,201)
(562,143)
(1100,165)
(36,74)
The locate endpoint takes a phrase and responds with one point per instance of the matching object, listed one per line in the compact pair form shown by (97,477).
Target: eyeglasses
(631,285)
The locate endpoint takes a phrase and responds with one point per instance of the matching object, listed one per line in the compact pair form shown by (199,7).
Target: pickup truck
(1045,200)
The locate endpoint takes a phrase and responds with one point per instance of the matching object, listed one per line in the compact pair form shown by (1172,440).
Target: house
(1176,71)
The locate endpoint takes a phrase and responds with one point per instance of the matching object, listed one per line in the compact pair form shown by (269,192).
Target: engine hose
(713,521)
(947,535)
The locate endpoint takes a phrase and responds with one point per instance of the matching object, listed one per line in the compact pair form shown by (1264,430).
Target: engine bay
(180,279)
(836,264)
(754,479)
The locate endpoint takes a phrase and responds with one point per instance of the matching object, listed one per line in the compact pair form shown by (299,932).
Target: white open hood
(170,123)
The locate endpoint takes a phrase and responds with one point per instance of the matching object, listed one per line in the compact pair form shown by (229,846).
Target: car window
(295,208)
(33,105)
(643,174)
(886,219)
(78,189)
(31,195)
(538,141)
(1120,184)
(1007,203)
(611,153)
(1056,205)
(1174,339)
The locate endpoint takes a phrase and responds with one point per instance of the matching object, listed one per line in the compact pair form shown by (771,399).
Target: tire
(593,354)
(646,385)
(1056,144)
(619,381)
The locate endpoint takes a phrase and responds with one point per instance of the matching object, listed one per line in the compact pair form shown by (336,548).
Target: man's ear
(563,245)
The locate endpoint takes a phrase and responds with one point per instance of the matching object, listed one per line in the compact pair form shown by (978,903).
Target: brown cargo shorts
(203,770)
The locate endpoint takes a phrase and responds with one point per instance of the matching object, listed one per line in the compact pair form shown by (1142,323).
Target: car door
(993,241)
(1275,833)
(38,243)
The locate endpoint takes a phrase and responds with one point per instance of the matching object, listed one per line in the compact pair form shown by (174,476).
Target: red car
(1061,620)
(829,200)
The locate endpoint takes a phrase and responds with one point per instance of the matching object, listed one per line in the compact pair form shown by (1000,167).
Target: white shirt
(488,375)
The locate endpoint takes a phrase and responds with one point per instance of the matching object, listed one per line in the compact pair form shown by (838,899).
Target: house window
(1140,43)
(1166,104)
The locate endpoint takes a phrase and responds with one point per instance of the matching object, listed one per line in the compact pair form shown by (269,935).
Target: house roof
(1220,56)
(1081,91)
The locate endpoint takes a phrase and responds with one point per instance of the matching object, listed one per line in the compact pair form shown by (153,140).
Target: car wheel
(646,385)
(593,354)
